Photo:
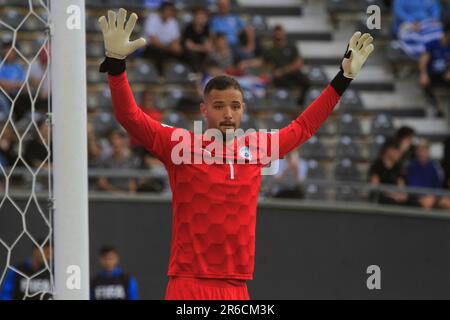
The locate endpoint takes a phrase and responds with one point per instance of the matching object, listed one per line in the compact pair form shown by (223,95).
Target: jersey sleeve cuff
(340,83)
(113,66)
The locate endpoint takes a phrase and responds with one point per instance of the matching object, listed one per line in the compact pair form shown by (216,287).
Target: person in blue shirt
(426,173)
(12,76)
(434,64)
(414,11)
(111,283)
(234,29)
(38,287)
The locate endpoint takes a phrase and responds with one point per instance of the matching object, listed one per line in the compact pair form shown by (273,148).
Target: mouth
(227,125)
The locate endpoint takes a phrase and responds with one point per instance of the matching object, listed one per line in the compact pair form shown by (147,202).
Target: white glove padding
(359,49)
(117,36)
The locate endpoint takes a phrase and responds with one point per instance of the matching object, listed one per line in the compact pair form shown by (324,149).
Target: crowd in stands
(213,43)
(422,28)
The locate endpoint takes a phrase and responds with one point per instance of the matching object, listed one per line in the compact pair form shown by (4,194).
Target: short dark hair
(166,4)
(106,249)
(390,143)
(222,83)
(404,132)
(198,9)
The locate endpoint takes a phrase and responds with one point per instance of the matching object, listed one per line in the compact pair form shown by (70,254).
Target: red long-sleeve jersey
(214,205)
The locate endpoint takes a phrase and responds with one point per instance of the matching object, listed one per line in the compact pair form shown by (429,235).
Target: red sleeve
(153,135)
(304,127)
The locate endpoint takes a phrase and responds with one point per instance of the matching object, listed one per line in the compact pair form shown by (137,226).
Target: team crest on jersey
(244,152)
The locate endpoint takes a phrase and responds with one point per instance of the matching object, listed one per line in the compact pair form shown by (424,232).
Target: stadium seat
(103,122)
(346,170)
(278,121)
(312,94)
(315,169)
(313,148)
(317,75)
(382,124)
(315,192)
(348,148)
(248,122)
(176,120)
(177,73)
(283,99)
(253,102)
(350,101)
(11,17)
(173,97)
(348,125)
(143,72)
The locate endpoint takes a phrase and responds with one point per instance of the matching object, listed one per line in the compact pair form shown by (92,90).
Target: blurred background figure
(434,65)
(232,26)
(12,77)
(162,31)
(111,283)
(196,39)
(293,170)
(16,287)
(426,173)
(405,136)
(120,158)
(416,23)
(387,170)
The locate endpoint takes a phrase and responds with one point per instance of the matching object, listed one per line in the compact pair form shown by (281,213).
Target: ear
(203,109)
(244,106)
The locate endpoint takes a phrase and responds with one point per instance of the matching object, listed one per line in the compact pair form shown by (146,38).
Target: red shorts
(183,288)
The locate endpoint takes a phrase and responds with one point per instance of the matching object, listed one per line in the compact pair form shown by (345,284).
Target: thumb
(136,44)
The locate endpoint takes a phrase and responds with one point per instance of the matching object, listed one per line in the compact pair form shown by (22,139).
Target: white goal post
(68,79)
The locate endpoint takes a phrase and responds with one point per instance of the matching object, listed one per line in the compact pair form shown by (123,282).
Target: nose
(228,113)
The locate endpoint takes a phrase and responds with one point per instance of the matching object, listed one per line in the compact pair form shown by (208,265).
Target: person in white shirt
(163,35)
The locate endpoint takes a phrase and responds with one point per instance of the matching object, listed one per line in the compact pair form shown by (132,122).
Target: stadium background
(306,247)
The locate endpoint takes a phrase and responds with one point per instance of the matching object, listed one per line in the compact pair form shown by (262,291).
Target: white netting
(25,158)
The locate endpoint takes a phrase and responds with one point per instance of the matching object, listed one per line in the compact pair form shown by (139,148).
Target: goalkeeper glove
(116,36)
(358,50)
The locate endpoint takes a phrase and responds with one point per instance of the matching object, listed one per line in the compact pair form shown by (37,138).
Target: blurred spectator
(36,149)
(386,170)
(293,170)
(212,69)
(425,173)
(232,26)
(415,12)
(12,76)
(221,53)
(196,39)
(120,159)
(158,180)
(406,136)
(148,106)
(8,154)
(163,33)
(416,23)
(285,63)
(111,283)
(37,267)
(38,75)
(434,65)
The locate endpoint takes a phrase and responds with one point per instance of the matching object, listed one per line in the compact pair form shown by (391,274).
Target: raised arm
(153,135)
(302,128)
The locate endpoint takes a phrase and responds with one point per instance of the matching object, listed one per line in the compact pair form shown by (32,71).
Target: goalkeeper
(214,205)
